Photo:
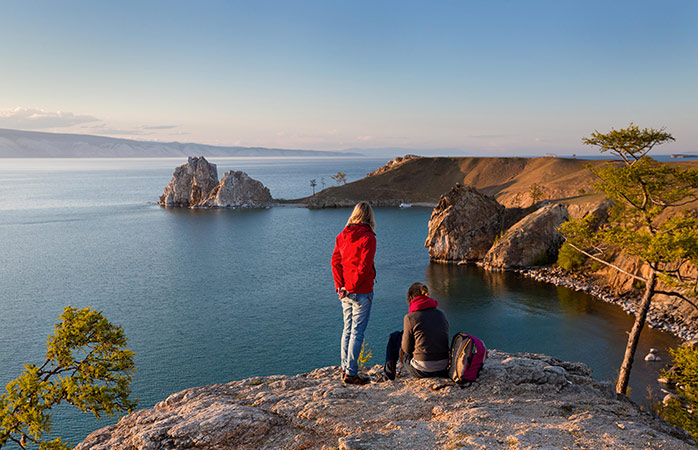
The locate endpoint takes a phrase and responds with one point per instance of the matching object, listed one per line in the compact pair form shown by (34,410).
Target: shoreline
(656,318)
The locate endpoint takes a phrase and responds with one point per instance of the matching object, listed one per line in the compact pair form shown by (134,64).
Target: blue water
(213,296)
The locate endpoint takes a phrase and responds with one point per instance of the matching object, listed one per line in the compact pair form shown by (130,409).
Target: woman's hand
(342,293)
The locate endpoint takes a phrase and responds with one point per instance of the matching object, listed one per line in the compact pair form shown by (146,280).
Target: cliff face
(524,401)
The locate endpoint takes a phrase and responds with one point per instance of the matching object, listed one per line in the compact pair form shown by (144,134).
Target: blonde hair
(416,290)
(363,213)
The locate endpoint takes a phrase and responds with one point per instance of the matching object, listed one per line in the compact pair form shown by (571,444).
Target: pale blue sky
(489,78)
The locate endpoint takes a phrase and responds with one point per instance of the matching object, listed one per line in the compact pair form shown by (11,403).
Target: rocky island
(195,185)
(520,401)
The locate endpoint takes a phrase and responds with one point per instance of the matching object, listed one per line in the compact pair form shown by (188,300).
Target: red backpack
(468,353)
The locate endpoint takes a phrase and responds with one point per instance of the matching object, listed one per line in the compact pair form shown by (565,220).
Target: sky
(497,78)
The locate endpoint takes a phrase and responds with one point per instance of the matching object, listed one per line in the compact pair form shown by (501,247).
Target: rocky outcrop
(524,401)
(195,185)
(237,189)
(394,164)
(533,241)
(463,225)
(191,183)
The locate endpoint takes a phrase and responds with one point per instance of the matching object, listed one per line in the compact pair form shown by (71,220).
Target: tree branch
(606,263)
(679,295)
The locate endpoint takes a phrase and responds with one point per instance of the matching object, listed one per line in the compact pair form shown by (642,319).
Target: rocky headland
(520,401)
(195,185)
(422,180)
(470,227)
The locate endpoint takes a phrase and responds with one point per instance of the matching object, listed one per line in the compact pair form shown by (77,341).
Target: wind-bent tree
(87,365)
(313,183)
(340,178)
(639,225)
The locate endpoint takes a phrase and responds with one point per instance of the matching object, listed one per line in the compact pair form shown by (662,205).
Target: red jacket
(352,259)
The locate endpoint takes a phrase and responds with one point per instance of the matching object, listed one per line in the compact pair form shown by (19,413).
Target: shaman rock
(532,241)
(237,189)
(191,183)
(463,225)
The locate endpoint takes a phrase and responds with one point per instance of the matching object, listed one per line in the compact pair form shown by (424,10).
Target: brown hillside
(509,180)
(424,180)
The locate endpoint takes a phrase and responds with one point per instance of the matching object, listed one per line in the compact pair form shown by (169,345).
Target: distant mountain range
(33,144)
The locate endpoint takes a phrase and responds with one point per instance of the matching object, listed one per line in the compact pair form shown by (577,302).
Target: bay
(212,296)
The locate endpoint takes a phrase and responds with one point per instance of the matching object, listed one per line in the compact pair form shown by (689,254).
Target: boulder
(532,241)
(191,183)
(237,189)
(463,225)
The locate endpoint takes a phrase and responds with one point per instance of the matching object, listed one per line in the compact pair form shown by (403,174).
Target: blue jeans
(356,309)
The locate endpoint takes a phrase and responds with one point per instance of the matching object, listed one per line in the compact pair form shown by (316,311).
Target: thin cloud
(160,127)
(102,129)
(38,119)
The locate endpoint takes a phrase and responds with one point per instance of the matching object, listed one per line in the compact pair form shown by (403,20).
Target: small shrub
(569,258)
(638,284)
(365,355)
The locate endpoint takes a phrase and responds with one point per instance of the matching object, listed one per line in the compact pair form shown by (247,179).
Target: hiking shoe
(356,379)
(342,374)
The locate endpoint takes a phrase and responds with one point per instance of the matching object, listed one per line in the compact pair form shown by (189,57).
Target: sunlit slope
(424,180)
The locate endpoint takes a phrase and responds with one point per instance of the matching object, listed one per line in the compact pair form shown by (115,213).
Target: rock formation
(533,241)
(195,185)
(191,183)
(394,164)
(521,401)
(465,223)
(237,189)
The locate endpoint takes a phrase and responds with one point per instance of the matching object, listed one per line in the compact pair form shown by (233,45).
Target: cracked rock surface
(520,401)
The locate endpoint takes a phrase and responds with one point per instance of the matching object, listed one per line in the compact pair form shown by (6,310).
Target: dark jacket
(352,259)
(425,334)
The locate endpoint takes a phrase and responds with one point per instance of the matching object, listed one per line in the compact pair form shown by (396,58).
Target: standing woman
(353,271)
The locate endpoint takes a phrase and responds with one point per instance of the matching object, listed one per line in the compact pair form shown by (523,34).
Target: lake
(209,296)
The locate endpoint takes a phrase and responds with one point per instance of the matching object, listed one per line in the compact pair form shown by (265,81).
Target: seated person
(425,339)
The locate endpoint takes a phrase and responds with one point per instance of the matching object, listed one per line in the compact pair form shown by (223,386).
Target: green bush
(682,410)
(569,258)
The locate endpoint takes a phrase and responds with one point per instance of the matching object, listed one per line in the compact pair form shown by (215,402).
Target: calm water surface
(213,296)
